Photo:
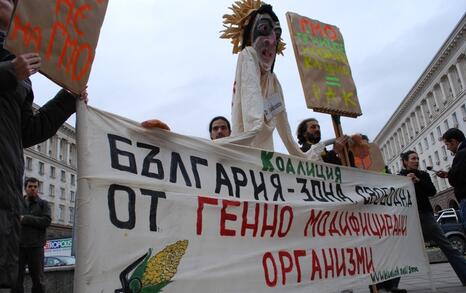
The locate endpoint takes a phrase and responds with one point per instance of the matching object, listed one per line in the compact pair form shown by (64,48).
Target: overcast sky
(164,59)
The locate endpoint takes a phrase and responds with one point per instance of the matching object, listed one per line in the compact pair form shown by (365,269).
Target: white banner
(159,210)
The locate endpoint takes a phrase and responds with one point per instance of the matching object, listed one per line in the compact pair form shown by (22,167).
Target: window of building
(61,213)
(432,138)
(439,131)
(71,214)
(72,195)
(41,168)
(28,163)
(52,209)
(63,176)
(444,153)
(426,143)
(419,146)
(52,190)
(38,147)
(424,166)
(41,187)
(52,172)
(463,111)
(62,193)
(437,158)
(73,179)
(429,159)
(455,119)
(446,124)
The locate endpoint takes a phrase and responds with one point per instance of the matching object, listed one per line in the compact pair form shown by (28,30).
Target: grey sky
(164,59)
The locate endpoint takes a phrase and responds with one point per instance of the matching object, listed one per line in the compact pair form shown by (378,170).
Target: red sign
(63,32)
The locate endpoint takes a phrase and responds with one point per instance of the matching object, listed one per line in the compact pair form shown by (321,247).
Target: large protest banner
(161,210)
(323,66)
(63,32)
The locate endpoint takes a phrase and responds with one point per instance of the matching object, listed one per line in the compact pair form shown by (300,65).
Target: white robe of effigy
(253,93)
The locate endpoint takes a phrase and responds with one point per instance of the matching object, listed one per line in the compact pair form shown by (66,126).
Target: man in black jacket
(20,128)
(456,143)
(430,229)
(35,219)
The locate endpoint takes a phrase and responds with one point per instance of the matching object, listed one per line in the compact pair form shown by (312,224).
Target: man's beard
(313,137)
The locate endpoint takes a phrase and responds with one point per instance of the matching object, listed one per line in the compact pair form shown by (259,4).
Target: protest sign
(323,66)
(188,215)
(64,33)
(368,159)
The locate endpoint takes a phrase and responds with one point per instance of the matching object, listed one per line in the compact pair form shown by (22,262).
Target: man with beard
(309,135)
(219,127)
(258,106)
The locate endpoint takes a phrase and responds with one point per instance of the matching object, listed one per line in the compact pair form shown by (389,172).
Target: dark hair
(302,128)
(219,118)
(363,136)
(405,156)
(453,133)
(30,180)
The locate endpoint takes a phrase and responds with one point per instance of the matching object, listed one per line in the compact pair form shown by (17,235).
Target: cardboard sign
(63,32)
(159,211)
(368,159)
(323,66)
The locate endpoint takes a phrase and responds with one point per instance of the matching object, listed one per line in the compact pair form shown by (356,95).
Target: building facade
(436,102)
(54,163)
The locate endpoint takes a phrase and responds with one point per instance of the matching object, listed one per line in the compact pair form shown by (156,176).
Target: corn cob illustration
(163,266)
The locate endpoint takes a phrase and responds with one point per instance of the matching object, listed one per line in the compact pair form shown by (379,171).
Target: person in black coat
(430,228)
(20,128)
(424,189)
(35,218)
(456,143)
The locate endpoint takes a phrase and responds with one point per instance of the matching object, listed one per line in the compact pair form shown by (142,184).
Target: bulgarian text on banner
(187,215)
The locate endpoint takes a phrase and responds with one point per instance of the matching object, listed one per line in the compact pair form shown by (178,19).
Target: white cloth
(252,89)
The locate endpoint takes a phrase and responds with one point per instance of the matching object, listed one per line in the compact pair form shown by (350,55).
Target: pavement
(443,277)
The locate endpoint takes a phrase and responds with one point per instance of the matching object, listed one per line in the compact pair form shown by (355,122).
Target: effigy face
(265,36)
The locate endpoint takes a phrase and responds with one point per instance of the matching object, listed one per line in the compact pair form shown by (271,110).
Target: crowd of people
(258,109)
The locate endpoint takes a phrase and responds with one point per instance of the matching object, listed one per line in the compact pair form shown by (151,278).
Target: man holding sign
(20,128)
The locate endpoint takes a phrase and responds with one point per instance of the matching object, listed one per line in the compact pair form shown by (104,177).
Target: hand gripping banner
(162,211)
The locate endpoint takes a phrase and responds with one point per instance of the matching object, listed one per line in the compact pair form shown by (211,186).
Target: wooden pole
(339,132)
(345,161)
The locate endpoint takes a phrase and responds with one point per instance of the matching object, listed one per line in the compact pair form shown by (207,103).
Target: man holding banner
(20,128)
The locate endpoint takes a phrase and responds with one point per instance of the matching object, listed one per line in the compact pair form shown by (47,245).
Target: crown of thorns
(235,23)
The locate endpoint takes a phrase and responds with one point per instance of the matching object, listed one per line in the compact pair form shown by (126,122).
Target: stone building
(54,163)
(436,102)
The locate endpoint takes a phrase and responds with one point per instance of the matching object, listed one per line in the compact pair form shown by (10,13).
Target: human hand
(340,143)
(83,96)
(442,174)
(26,65)
(155,123)
(315,152)
(413,177)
